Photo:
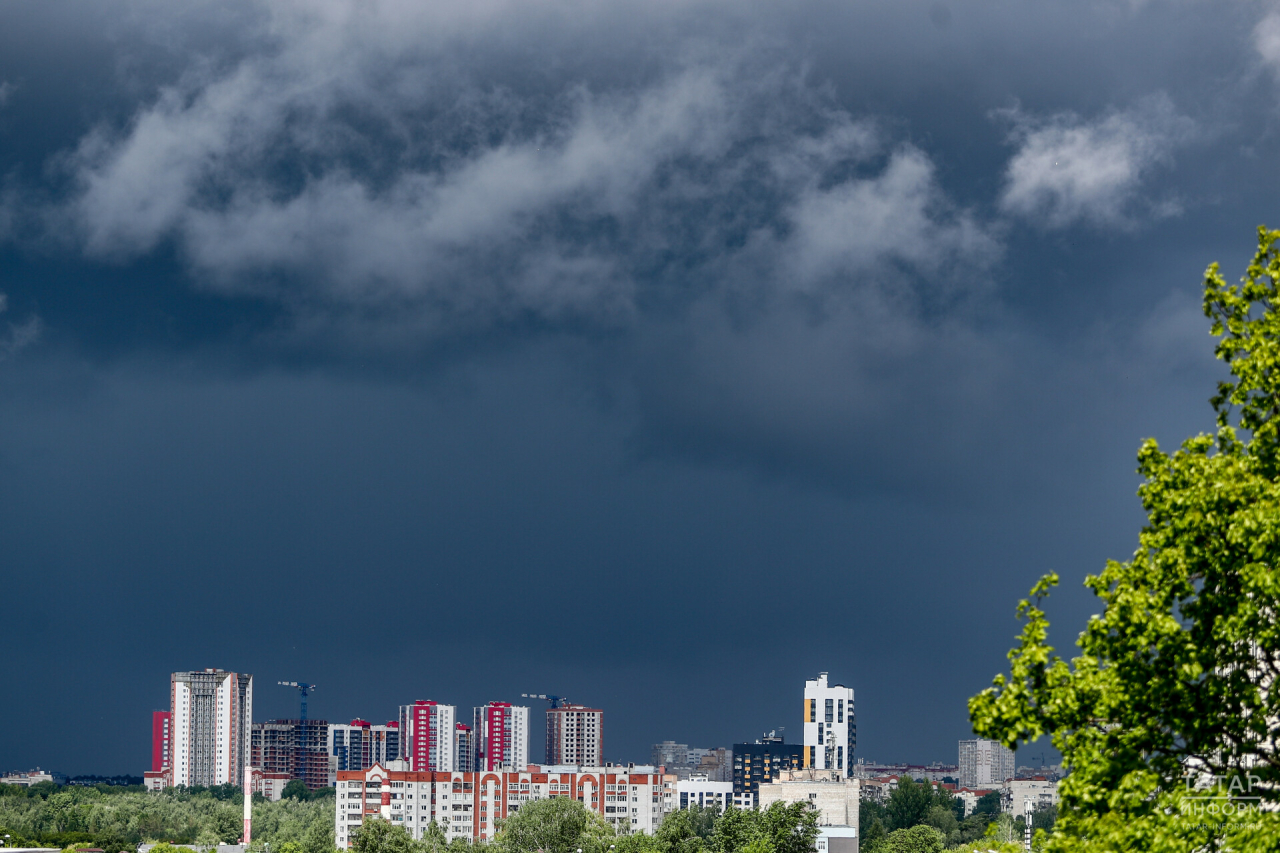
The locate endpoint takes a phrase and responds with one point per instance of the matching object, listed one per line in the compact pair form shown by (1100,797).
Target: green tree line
(120,818)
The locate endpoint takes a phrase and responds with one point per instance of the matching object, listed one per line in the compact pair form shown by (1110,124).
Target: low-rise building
(835,797)
(32,777)
(1042,793)
(469,804)
(268,784)
(158,780)
(837,839)
(701,791)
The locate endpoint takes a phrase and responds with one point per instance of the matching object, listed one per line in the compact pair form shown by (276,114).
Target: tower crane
(303,688)
(556,701)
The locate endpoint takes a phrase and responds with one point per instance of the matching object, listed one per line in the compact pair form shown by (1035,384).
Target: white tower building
(211,724)
(830,733)
(984,763)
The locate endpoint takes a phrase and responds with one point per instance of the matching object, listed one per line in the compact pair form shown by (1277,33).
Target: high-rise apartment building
(985,763)
(211,714)
(830,732)
(759,762)
(298,748)
(464,747)
(427,732)
(360,744)
(160,728)
(575,735)
(502,736)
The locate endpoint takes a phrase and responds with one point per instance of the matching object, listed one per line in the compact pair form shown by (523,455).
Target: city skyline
(651,355)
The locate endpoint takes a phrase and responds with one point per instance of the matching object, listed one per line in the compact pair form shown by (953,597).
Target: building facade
(160,747)
(984,763)
(211,715)
(1041,792)
(501,732)
(575,735)
(835,796)
(269,785)
(762,761)
(830,729)
(700,791)
(464,747)
(428,732)
(361,744)
(298,748)
(469,804)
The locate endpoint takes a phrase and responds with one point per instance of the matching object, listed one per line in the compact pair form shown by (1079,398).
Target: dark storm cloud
(725,335)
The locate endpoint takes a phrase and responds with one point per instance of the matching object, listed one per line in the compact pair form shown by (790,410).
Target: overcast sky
(655,354)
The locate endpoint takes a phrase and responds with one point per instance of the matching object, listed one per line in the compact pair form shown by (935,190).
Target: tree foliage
(1170,689)
(117,818)
(556,825)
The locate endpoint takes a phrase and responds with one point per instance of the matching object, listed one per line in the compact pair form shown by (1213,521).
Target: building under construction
(296,747)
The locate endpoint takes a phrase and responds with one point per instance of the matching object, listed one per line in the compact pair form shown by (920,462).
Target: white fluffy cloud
(1068,169)
(1266,40)
(351,163)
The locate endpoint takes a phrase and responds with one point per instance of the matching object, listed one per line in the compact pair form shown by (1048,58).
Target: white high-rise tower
(830,733)
(211,723)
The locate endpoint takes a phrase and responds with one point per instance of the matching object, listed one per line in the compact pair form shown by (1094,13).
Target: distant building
(501,732)
(160,724)
(837,839)
(984,763)
(671,755)
(31,777)
(830,730)
(688,762)
(935,772)
(299,748)
(575,735)
(762,761)
(427,736)
(1041,792)
(464,746)
(361,744)
(211,715)
(835,796)
(269,785)
(469,805)
(703,792)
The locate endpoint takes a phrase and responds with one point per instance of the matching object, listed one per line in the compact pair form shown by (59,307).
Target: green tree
(557,825)
(916,839)
(873,836)
(908,804)
(376,835)
(789,827)
(295,789)
(1171,683)
(943,819)
(433,839)
(678,833)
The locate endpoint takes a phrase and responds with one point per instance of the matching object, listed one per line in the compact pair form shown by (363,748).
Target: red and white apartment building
(468,805)
(428,732)
(501,737)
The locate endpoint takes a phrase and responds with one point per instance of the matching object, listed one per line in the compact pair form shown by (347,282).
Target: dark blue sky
(659,355)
